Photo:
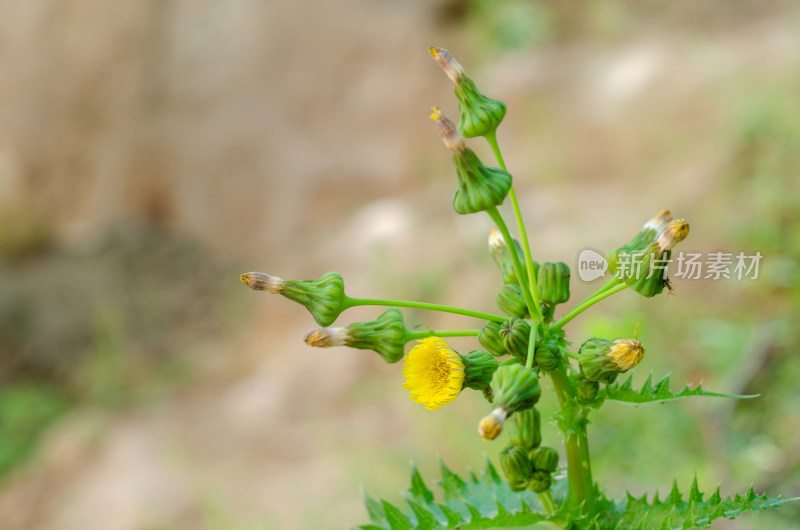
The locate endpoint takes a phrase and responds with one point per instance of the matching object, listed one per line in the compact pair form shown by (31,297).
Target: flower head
(602,360)
(434,373)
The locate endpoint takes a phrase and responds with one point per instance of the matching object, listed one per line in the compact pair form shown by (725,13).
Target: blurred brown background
(151,151)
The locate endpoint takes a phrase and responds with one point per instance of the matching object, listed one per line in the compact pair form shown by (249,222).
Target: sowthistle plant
(519,347)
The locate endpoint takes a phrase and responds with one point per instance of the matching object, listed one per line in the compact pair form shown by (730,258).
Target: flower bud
(552,282)
(480,115)
(503,257)
(525,429)
(540,481)
(479,367)
(490,338)
(480,188)
(602,360)
(511,301)
(545,459)
(385,335)
(516,466)
(447,131)
(642,241)
(516,334)
(324,298)
(547,357)
(515,388)
(587,390)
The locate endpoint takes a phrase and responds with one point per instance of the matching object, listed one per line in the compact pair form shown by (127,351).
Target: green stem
(414,335)
(564,391)
(603,293)
(547,501)
(586,467)
(533,309)
(523,234)
(531,346)
(354,302)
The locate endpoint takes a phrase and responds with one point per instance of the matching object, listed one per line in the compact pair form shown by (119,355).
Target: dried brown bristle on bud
(451,67)
(491,426)
(673,234)
(447,131)
(326,337)
(658,223)
(259,281)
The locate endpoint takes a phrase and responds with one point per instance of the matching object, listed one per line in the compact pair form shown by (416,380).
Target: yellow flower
(434,373)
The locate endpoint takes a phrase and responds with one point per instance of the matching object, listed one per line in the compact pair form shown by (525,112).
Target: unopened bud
(480,188)
(490,338)
(324,297)
(503,257)
(515,388)
(553,282)
(447,131)
(540,481)
(516,466)
(602,360)
(511,301)
(545,459)
(586,390)
(516,333)
(386,335)
(525,429)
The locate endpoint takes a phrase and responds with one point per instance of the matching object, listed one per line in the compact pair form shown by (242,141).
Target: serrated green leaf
(485,503)
(649,393)
(419,490)
(490,475)
(374,508)
(450,482)
(396,519)
(425,518)
(676,513)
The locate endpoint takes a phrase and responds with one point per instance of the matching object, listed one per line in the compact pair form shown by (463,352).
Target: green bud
(490,338)
(385,335)
(503,257)
(525,429)
(511,301)
(540,481)
(324,298)
(552,282)
(516,466)
(516,333)
(479,366)
(480,115)
(545,459)
(602,360)
(515,388)
(547,357)
(480,188)
(587,390)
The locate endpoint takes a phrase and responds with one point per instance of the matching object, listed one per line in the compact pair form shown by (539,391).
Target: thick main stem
(577,491)
(353,302)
